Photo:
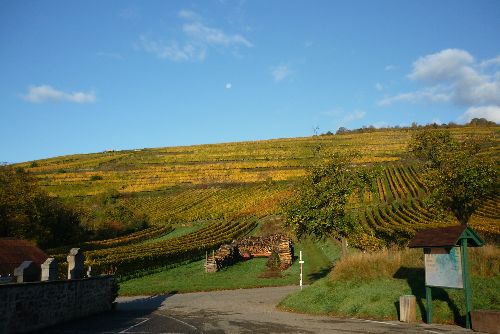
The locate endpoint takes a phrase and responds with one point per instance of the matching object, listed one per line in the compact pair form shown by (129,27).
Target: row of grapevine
(394,223)
(399,183)
(193,204)
(148,233)
(127,259)
(490,208)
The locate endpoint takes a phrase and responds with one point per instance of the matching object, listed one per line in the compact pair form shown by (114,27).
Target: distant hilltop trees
(414,125)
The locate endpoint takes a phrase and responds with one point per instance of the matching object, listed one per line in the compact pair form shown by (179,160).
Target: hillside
(235,187)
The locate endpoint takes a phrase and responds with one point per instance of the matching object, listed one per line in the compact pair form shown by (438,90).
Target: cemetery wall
(34,305)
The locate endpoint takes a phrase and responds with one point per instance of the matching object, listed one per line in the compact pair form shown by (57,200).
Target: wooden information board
(443,268)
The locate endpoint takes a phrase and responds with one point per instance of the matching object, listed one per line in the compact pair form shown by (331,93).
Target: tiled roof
(14,251)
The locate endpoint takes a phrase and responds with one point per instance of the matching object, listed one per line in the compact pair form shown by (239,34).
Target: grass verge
(191,277)
(369,286)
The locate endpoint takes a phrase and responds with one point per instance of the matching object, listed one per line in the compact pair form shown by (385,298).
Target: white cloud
(213,36)
(491,113)
(189,15)
(424,95)
(173,51)
(353,116)
(491,62)
(442,66)
(390,67)
(381,124)
(197,38)
(453,76)
(229,85)
(379,86)
(343,118)
(46,93)
(281,72)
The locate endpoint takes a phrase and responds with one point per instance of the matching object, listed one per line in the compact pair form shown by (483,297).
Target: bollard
(407,308)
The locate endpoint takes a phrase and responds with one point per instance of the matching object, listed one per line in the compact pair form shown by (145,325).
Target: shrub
(386,264)
(273,262)
(383,264)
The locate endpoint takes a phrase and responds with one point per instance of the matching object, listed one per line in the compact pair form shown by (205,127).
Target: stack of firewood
(227,255)
(285,252)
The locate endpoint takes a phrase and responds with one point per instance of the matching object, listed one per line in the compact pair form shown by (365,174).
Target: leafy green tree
(320,205)
(458,174)
(110,214)
(27,212)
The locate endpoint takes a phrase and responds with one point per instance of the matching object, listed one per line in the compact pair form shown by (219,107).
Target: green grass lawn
(378,299)
(190,277)
(369,286)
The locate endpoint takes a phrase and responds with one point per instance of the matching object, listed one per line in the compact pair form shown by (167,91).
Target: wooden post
(428,297)
(467,285)
(407,308)
(344,247)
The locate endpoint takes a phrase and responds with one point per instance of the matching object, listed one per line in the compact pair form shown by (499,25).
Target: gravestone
(49,270)
(28,271)
(76,269)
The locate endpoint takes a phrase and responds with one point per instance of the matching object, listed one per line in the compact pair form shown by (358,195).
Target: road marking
(379,322)
(137,324)
(182,322)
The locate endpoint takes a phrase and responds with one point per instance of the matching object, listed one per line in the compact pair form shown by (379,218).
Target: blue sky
(85,76)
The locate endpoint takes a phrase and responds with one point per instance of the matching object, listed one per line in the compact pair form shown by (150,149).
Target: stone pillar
(49,270)
(76,269)
(28,271)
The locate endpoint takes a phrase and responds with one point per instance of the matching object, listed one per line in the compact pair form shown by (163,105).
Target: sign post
(301,263)
(446,262)
(467,284)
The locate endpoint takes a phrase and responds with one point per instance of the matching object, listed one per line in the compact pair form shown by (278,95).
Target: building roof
(446,237)
(14,251)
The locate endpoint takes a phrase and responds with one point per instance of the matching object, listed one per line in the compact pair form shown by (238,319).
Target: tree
(458,175)
(342,130)
(481,122)
(320,205)
(26,211)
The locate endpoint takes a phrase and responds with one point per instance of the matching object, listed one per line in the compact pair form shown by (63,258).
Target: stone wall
(29,306)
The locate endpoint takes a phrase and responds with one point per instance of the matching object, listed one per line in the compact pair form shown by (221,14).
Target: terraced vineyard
(146,234)
(123,260)
(235,183)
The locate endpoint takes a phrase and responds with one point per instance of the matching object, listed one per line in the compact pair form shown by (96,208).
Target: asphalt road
(231,311)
